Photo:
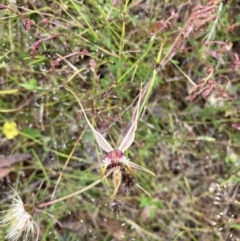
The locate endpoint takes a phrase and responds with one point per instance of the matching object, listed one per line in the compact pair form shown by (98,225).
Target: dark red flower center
(115,157)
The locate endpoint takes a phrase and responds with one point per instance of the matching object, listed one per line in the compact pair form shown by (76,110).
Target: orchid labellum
(115,158)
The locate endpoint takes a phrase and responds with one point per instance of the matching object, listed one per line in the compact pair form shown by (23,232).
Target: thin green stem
(43,205)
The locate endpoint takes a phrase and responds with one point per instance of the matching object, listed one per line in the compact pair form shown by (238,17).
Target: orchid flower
(115,158)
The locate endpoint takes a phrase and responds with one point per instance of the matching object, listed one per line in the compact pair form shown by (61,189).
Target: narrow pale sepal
(96,166)
(102,142)
(129,138)
(136,166)
(103,171)
(130,170)
(103,167)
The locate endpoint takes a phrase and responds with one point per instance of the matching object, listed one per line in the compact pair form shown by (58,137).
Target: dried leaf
(236,126)
(3,7)
(74,226)
(145,214)
(8,161)
(115,228)
(4,172)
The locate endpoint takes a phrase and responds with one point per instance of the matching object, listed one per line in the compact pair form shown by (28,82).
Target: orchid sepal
(130,164)
(129,137)
(102,142)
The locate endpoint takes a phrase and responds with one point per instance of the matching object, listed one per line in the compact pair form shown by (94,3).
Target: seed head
(19,221)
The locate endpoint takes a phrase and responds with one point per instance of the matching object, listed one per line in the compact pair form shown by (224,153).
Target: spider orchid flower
(115,158)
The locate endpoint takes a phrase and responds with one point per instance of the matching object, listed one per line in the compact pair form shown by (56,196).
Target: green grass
(105,53)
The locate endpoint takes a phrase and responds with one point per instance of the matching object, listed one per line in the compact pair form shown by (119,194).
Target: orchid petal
(134,165)
(102,142)
(96,166)
(129,138)
(99,165)
(117,178)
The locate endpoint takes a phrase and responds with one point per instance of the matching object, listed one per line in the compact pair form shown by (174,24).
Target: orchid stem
(43,205)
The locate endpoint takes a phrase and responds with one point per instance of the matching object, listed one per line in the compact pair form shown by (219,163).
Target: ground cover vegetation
(158,79)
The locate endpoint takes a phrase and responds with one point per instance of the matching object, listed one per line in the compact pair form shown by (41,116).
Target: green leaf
(8,92)
(152,212)
(159,204)
(146,201)
(206,138)
(31,85)
(235,226)
(35,133)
